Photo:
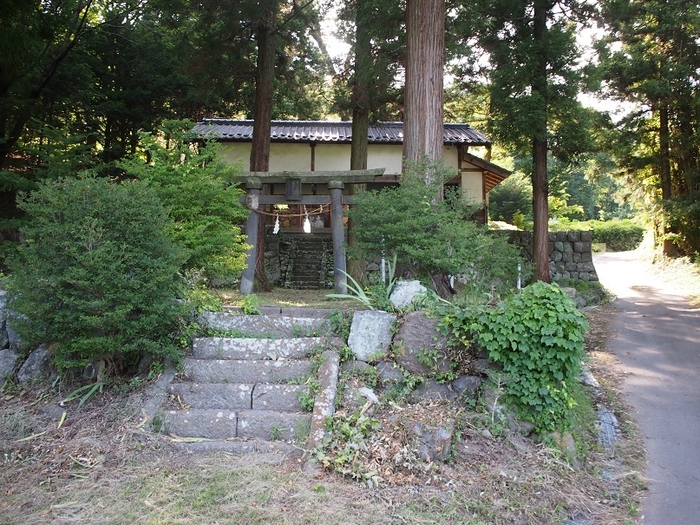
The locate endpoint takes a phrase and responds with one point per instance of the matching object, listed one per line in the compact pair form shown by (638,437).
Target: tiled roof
(322,131)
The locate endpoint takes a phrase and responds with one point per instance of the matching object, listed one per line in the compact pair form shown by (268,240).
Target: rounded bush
(95,274)
(537,338)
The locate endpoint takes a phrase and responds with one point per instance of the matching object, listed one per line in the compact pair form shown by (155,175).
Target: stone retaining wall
(570,254)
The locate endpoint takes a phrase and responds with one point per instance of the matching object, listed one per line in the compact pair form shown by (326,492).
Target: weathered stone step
(267,325)
(308,272)
(307,285)
(241,371)
(261,396)
(229,424)
(259,349)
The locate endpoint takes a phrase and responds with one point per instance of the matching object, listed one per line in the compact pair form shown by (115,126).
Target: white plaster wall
(329,157)
(451,157)
(290,157)
(472,186)
(332,157)
(385,156)
(233,152)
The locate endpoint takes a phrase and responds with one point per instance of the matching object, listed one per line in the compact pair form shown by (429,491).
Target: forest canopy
(82,82)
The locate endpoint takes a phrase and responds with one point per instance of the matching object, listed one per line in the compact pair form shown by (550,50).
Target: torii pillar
(340,279)
(252,202)
(335,180)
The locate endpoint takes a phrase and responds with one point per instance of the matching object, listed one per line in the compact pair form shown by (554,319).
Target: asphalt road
(657,340)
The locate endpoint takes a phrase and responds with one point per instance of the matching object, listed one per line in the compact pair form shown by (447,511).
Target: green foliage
(85,392)
(345,438)
(250,305)
(307,396)
(537,338)
(431,236)
(683,217)
(96,274)
(341,321)
(619,235)
(511,198)
(376,295)
(357,292)
(197,188)
(198,295)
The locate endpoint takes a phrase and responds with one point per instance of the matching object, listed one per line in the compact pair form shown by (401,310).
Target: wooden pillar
(338,231)
(252,201)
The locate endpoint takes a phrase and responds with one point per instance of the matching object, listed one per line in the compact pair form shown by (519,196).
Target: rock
(571,292)
(483,366)
(37,367)
(389,374)
(419,347)
(565,442)
(355,367)
(3,307)
(370,334)
(9,359)
(524,428)
(467,386)
(432,443)
(431,390)
(4,339)
(368,394)
(608,428)
(55,412)
(13,338)
(406,292)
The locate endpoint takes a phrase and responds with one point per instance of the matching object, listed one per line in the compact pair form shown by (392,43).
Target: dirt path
(657,340)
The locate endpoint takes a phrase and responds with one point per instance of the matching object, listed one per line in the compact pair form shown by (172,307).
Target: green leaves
(96,274)
(431,236)
(537,338)
(195,186)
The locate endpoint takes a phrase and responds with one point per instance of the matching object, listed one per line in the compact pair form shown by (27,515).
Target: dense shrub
(96,274)
(683,218)
(537,339)
(197,189)
(432,236)
(619,235)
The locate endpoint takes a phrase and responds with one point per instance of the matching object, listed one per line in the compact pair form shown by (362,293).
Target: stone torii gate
(293,181)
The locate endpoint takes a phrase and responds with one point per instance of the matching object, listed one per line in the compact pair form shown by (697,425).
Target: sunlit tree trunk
(260,150)
(540,189)
(360,120)
(423,95)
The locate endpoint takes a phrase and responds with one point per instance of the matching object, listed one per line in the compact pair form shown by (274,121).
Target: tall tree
(651,58)
(533,84)
(423,93)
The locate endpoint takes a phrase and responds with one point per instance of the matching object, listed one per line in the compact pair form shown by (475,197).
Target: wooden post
(252,201)
(338,231)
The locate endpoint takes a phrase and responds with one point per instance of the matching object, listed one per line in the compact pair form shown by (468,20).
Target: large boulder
(370,334)
(9,360)
(418,346)
(37,367)
(406,292)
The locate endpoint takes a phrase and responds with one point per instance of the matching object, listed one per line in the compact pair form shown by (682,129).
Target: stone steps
(268,326)
(242,348)
(222,424)
(236,389)
(241,371)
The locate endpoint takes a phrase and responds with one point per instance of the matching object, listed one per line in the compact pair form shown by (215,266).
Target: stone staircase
(242,393)
(306,257)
